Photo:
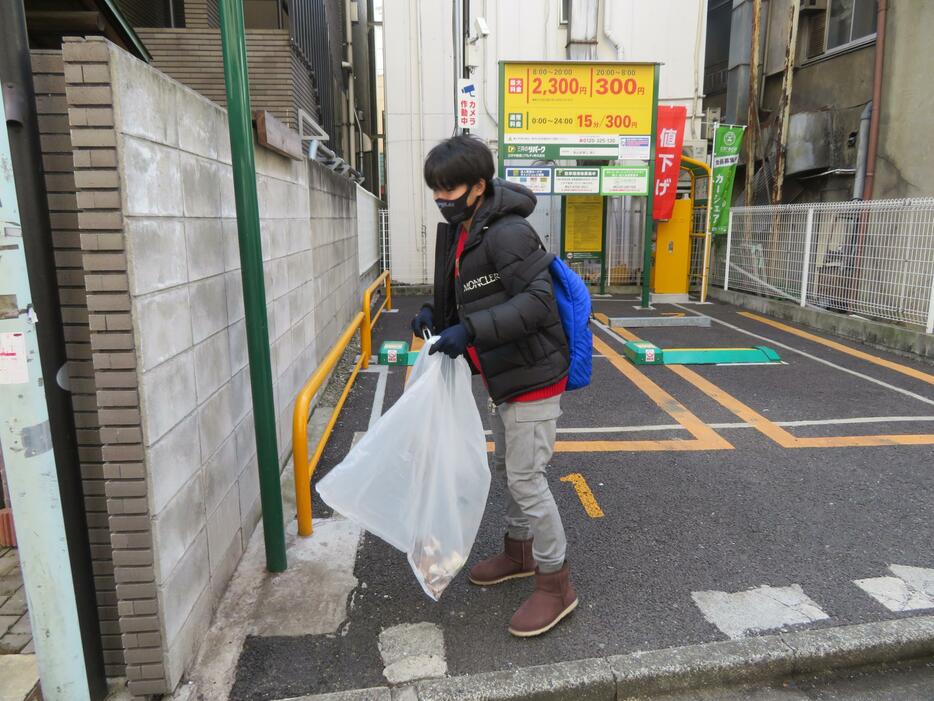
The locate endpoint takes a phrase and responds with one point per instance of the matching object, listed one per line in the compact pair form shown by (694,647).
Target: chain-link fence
(873,258)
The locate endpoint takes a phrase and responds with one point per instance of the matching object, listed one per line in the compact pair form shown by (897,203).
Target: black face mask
(457,211)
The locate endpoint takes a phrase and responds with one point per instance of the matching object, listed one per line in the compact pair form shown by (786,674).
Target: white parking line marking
(740,424)
(380,397)
(765,608)
(779,344)
(911,589)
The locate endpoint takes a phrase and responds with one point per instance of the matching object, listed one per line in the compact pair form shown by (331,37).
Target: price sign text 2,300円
(577,110)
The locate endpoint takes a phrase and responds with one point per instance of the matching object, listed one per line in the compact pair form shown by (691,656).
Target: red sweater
(533,396)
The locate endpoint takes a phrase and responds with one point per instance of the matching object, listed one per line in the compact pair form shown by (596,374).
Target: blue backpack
(573,300)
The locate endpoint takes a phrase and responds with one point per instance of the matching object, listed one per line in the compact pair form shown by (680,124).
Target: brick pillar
(58,165)
(100,224)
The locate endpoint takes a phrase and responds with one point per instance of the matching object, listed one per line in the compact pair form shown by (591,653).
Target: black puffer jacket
(503,295)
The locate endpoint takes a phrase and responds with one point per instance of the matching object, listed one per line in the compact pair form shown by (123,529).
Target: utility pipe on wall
(752,103)
(582,30)
(862,152)
(785,104)
(876,100)
(351,101)
(609,32)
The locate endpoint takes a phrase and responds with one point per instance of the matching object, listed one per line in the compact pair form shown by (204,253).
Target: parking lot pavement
(734,501)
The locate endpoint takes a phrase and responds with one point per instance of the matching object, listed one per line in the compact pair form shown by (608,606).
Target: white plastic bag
(419,478)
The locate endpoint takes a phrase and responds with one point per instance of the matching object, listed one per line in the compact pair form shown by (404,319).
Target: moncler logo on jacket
(481,281)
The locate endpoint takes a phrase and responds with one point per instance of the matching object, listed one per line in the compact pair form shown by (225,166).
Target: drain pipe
(609,33)
(582,30)
(862,152)
(876,101)
(351,98)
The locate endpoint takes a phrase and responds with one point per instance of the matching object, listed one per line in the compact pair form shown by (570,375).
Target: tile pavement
(15,633)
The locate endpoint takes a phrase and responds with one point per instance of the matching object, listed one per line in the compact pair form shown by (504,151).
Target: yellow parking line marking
(747,414)
(783,437)
(586,496)
(897,367)
(665,401)
(770,428)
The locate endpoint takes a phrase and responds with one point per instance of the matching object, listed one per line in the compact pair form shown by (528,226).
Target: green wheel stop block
(719,356)
(394,353)
(643,353)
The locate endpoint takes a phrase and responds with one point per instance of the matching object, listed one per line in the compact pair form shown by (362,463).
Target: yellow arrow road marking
(584,494)
(678,314)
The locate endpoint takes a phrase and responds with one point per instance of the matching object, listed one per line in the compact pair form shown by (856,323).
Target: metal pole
(604,202)
(930,324)
(21,127)
(26,439)
(729,244)
(251,265)
(650,200)
(706,269)
(806,268)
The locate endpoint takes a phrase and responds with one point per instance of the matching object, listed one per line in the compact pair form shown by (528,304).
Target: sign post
(581,111)
(649,219)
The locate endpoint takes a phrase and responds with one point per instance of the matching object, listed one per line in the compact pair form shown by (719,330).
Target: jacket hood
(508,198)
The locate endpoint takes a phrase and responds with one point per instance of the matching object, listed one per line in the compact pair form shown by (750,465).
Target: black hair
(460,160)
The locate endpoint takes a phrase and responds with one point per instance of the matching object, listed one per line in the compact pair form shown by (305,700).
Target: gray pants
(524,434)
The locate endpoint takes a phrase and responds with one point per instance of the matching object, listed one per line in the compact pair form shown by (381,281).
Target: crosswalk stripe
(741,613)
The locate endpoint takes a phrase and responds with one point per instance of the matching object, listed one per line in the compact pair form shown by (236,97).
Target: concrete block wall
(159,241)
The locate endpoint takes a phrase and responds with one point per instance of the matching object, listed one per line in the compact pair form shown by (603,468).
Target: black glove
(453,341)
(425,319)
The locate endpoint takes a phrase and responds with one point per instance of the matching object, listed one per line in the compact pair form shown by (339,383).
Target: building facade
(422,63)
(832,75)
(310,63)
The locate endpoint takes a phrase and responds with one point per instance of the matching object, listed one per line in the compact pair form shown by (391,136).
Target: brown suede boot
(553,599)
(514,562)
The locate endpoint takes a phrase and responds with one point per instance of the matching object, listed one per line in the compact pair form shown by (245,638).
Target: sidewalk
(754,521)
(18,670)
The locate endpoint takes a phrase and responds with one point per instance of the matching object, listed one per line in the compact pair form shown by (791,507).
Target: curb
(758,659)
(908,342)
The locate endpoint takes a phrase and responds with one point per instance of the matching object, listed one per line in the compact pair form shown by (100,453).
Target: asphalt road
(675,522)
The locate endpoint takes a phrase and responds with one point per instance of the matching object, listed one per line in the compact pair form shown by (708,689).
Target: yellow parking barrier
(366,340)
(304,468)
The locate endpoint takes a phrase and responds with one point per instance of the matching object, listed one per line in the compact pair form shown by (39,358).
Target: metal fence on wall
(873,258)
(384,244)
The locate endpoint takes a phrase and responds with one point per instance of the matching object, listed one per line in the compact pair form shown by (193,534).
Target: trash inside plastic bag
(419,478)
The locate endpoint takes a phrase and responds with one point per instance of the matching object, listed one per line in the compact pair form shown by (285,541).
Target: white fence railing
(384,247)
(369,209)
(873,258)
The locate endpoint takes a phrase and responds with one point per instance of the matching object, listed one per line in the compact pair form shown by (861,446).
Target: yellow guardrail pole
(705,167)
(369,319)
(304,468)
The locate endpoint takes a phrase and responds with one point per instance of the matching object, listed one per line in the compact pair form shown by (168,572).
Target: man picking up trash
(493,301)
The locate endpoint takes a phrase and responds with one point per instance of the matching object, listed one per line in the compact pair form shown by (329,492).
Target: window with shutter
(816,30)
